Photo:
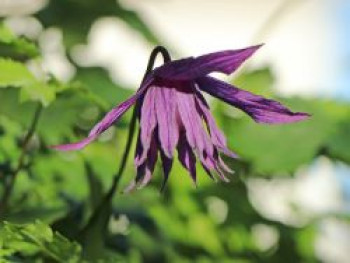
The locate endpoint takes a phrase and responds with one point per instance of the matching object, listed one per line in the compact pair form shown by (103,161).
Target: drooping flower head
(174,115)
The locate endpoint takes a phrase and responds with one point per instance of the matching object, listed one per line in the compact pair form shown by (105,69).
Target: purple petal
(145,170)
(224,166)
(139,151)
(191,68)
(217,137)
(196,135)
(167,165)
(116,113)
(74,146)
(187,158)
(151,162)
(260,109)
(107,120)
(147,121)
(166,117)
(210,164)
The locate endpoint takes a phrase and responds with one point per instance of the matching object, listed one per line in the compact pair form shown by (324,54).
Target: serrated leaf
(38,237)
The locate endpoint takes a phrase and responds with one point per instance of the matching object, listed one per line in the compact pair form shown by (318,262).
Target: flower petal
(168,129)
(196,135)
(187,157)
(138,151)
(107,120)
(217,137)
(191,68)
(167,165)
(260,109)
(74,146)
(145,170)
(148,121)
(151,162)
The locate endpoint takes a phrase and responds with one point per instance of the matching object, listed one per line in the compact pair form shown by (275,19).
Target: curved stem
(106,201)
(8,189)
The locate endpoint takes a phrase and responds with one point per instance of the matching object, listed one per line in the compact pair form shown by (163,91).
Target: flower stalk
(10,182)
(107,199)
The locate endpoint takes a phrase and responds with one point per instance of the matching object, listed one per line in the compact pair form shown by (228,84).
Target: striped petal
(167,165)
(187,157)
(168,129)
(217,137)
(196,135)
(148,122)
(191,68)
(260,109)
(107,121)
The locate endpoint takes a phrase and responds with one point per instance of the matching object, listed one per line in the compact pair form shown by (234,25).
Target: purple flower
(173,115)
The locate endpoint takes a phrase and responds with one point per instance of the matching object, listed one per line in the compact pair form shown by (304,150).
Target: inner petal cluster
(176,116)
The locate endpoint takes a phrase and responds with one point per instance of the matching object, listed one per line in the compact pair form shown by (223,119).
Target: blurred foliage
(55,193)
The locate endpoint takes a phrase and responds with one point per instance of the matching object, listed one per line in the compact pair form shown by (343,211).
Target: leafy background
(50,196)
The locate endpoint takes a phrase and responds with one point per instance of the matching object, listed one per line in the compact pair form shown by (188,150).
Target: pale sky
(299,44)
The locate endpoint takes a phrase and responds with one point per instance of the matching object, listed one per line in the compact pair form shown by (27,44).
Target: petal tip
(65,147)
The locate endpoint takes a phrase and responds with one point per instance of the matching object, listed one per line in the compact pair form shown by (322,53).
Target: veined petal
(196,135)
(139,151)
(191,68)
(117,112)
(260,109)
(148,120)
(187,157)
(145,170)
(168,129)
(217,137)
(107,120)
(151,162)
(213,162)
(74,146)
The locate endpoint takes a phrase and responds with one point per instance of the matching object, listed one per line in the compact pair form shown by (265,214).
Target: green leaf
(258,81)
(38,237)
(6,36)
(16,47)
(16,74)
(339,144)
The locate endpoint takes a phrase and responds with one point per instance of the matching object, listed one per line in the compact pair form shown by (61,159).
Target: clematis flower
(174,115)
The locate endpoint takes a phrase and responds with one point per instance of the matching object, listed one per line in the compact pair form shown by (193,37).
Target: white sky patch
(299,47)
(115,46)
(333,241)
(27,26)
(54,58)
(20,7)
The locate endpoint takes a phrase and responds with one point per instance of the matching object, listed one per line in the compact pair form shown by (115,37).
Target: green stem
(107,199)
(9,185)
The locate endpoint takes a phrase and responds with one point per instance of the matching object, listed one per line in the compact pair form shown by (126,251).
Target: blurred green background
(64,63)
